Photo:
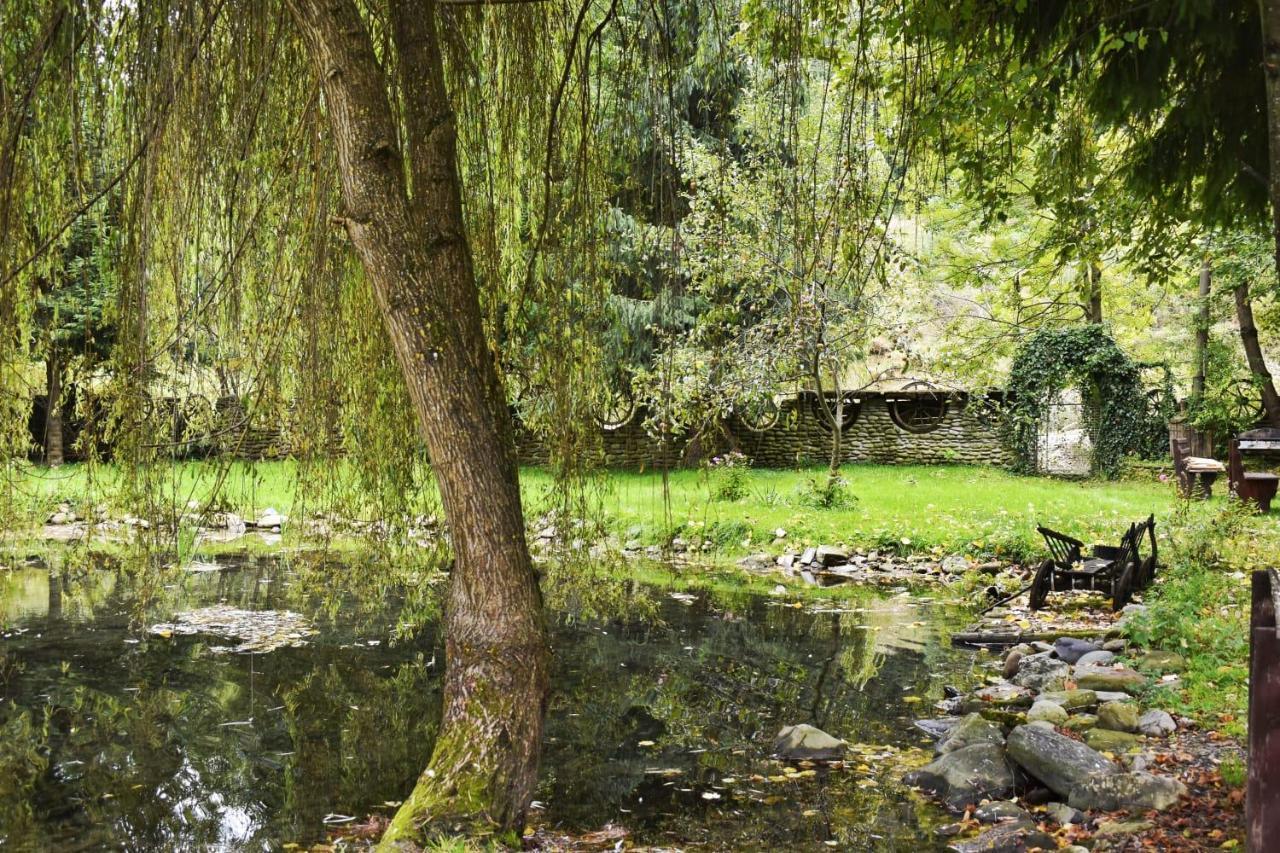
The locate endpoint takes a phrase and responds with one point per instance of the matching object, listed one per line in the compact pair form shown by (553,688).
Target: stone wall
(799,437)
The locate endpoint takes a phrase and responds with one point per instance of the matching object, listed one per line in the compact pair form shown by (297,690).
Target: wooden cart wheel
(1122,586)
(1147,572)
(1040,585)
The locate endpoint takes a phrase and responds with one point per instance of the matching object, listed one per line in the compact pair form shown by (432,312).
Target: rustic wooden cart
(1112,570)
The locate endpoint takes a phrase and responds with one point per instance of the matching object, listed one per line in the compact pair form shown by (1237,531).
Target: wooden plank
(1262,803)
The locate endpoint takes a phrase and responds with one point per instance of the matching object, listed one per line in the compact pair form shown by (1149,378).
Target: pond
(115,736)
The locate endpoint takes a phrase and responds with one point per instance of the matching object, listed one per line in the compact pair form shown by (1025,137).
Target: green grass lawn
(910,508)
(975,510)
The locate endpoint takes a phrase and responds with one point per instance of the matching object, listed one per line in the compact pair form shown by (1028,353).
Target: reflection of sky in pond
(660,726)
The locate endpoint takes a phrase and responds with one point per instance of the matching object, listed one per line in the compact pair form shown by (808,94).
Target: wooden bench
(1188,469)
(1259,487)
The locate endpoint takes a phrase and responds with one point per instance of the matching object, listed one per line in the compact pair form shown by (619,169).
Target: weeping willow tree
(379,221)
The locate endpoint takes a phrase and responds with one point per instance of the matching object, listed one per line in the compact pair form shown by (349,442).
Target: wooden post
(1262,806)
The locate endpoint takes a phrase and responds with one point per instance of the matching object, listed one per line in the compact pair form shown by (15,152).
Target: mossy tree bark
(1254,356)
(403,214)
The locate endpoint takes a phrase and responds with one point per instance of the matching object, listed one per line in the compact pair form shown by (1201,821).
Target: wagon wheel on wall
(1040,585)
(826,412)
(1156,399)
(759,415)
(988,411)
(617,409)
(923,413)
(197,423)
(1244,402)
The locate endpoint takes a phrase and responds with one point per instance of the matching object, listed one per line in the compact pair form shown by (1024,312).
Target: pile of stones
(829,565)
(1061,727)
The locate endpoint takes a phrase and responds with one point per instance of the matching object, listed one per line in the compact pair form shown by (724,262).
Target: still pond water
(111,738)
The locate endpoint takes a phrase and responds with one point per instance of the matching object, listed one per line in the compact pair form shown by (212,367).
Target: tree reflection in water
(113,737)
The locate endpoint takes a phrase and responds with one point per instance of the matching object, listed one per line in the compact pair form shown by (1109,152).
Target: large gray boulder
(1136,791)
(967,775)
(1108,740)
(831,555)
(1000,811)
(807,743)
(1072,700)
(970,730)
(1098,658)
(1109,679)
(1071,649)
(1056,760)
(1042,672)
(1157,723)
(1002,695)
(1049,711)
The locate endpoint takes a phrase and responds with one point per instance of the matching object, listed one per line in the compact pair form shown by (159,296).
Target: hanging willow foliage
(193,133)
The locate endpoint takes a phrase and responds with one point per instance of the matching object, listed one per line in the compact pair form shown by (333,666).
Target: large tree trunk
(1092,304)
(1253,355)
(407,227)
(53,455)
(1202,332)
(1270,10)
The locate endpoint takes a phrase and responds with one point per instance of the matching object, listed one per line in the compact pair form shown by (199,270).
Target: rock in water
(937,729)
(1041,672)
(1013,837)
(966,776)
(968,731)
(757,563)
(1000,811)
(999,696)
(257,630)
(1056,760)
(1071,649)
(807,743)
(1133,791)
(830,555)
(270,518)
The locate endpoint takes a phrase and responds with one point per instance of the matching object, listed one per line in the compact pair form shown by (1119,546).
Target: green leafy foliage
(1084,357)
